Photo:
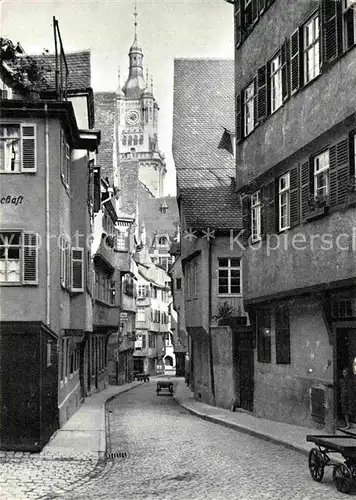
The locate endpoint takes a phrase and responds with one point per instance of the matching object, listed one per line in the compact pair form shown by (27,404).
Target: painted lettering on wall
(14,200)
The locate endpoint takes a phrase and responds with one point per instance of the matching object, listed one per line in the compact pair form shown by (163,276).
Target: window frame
(28,257)
(255,214)
(311,47)
(229,268)
(27,151)
(276,73)
(348,10)
(321,171)
(284,191)
(247,101)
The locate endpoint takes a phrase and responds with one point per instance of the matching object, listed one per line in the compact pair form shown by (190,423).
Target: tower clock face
(132,117)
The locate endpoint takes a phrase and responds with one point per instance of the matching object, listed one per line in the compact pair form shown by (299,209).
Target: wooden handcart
(344,475)
(142,377)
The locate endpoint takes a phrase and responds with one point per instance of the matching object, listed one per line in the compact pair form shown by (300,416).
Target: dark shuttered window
(262,93)
(305,188)
(339,172)
(295,61)
(282,336)
(269,208)
(285,70)
(30,259)
(294,196)
(264,336)
(331,25)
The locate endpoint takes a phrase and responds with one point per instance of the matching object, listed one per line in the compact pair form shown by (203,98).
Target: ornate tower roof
(135,83)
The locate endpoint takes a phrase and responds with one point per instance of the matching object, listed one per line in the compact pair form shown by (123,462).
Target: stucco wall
(310,112)
(282,391)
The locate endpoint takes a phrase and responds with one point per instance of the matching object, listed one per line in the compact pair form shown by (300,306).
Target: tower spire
(135,14)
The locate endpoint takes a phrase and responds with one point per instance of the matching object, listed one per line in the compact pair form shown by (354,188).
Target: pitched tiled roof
(157,222)
(78,65)
(203,105)
(104,104)
(211,207)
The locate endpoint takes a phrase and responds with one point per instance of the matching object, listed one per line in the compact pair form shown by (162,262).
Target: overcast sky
(167,29)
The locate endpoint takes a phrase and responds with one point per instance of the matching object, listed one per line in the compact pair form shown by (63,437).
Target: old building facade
(295,72)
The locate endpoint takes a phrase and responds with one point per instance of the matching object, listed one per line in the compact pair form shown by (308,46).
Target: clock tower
(137,123)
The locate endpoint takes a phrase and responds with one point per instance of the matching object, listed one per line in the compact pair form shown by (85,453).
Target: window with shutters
(229,276)
(256,216)
(263,325)
(311,46)
(249,108)
(17,148)
(276,82)
(284,201)
(321,175)
(77,270)
(282,336)
(18,258)
(250,12)
(349,23)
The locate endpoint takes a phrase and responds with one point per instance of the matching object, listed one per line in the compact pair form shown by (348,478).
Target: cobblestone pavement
(175,456)
(28,476)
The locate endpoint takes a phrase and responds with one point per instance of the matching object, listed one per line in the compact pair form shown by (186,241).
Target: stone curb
(252,432)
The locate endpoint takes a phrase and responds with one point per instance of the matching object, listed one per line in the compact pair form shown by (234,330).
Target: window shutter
(30,259)
(62,262)
(305,189)
(330,16)
(77,272)
(295,62)
(238,23)
(28,148)
(294,196)
(262,93)
(239,117)
(255,102)
(269,208)
(261,5)
(285,70)
(246,218)
(255,6)
(339,172)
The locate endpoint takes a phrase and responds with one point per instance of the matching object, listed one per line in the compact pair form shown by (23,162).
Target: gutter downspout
(209,319)
(48,247)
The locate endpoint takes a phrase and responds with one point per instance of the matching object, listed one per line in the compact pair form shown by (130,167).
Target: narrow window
(229,276)
(311,49)
(276,82)
(256,216)
(121,241)
(349,23)
(249,105)
(284,201)
(264,336)
(282,337)
(321,175)
(179,283)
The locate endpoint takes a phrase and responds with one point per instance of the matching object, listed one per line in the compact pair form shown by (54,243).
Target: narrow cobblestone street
(174,455)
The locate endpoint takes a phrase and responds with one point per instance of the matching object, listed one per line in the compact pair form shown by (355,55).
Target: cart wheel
(342,478)
(316,464)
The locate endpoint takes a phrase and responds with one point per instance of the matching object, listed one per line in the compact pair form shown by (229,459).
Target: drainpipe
(209,319)
(48,248)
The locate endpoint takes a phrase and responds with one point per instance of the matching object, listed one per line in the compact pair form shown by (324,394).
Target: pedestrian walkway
(291,436)
(84,434)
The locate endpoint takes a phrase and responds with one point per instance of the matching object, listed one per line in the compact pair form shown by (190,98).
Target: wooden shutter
(255,103)
(262,92)
(239,117)
(261,6)
(295,61)
(294,197)
(339,172)
(238,22)
(305,189)
(331,36)
(62,261)
(30,259)
(268,209)
(285,70)
(246,218)
(28,148)
(77,270)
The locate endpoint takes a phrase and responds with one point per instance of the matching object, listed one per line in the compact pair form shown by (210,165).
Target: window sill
(15,283)
(317,213)
(222,295)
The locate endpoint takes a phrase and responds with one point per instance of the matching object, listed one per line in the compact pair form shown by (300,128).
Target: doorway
(243,356)
(346,358)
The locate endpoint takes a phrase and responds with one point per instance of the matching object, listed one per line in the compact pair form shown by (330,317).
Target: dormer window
(5,90)
(164,208)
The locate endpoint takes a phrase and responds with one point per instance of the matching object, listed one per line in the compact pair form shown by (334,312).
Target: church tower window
(124,140)
(141,139)
(135,140)
(130,141)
